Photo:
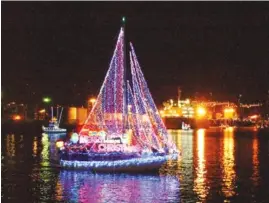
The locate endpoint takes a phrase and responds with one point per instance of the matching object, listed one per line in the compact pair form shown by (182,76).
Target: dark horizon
(63,49)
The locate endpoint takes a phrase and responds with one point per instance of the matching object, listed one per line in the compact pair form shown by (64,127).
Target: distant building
(77,115)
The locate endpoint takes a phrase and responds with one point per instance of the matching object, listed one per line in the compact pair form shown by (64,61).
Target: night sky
(63,49)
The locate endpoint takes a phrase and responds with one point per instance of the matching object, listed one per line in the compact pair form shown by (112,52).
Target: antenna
(57,112)
(51,113)
(60,115)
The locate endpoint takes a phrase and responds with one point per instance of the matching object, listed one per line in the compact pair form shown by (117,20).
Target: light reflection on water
(10,143)
(228,163)
(87,187)
(200,181)
(255,161)
(209,170)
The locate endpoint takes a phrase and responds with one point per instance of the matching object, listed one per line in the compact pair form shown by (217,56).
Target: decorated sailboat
(124,131)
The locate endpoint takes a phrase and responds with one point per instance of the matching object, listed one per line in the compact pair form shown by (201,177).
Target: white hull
(143,164)
(53,130)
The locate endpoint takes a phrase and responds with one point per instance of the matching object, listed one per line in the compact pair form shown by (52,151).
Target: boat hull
(144,164)
(53,130)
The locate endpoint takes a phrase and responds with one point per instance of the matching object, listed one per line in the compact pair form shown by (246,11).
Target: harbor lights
(92,101)
(201,111)
(46,100)
(229,113)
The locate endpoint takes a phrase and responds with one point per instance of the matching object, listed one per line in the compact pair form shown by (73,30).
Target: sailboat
(124,131)
(54,123)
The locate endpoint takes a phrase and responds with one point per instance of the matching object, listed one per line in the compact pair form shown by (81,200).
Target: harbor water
(215,166)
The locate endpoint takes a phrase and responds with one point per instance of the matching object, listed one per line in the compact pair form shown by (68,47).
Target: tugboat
(54,124)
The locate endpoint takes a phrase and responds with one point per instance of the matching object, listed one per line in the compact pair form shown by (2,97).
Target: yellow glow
(17,117)
(45,150)
(200,186)
(254,117)
(201,111)
(35,146)
(230,129)
(255,161)
(230,110)
(229,113)
(229,175)
(59,144)
(187,101)
(92,100)
(59,190)
(72,114)
(10,145)
(42,111)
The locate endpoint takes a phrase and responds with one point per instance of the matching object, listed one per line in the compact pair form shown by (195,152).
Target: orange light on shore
(42,111)
(229,113)
(92,100)
(16,117)
(201,111)
(254,117)
(228,110)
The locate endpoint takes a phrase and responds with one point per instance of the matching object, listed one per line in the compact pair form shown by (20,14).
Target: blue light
(119,164)
(74,138)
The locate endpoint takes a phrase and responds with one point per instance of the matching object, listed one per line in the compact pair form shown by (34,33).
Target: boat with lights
(54,123)
(124,131)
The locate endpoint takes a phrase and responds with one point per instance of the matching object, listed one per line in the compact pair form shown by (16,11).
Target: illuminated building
(199,109)
(77,115)
(229,113)
(14,111)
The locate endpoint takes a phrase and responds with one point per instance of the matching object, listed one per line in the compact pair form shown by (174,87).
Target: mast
(51,113)
(125,107)
(60,116)
(57,114)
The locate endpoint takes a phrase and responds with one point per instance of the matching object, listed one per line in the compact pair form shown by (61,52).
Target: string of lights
(157,122)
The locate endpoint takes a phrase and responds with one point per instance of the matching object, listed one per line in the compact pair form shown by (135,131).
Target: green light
(46,99)
(123,19)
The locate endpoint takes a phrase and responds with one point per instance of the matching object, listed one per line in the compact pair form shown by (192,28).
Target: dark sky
(63,49)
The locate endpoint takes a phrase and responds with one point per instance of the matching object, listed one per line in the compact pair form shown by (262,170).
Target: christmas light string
(147,130)
(97,112)
(152,109)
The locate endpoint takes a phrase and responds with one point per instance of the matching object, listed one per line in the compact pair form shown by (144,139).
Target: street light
(46,99)
(92,100)
(201,111)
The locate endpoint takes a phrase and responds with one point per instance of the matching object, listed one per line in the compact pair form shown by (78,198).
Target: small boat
(54,124)
(186,127)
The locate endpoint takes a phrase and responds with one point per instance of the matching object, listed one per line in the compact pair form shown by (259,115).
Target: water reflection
(183,168)
(228,162)
(59,191)
(10,143)
(206,172)
(87,187)
(200,182)
(255,161)
(35,146)
(45,150)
